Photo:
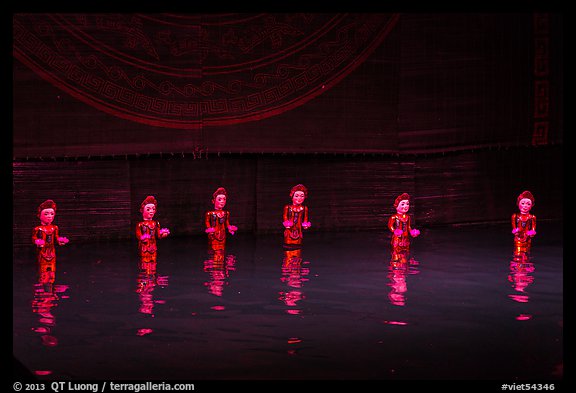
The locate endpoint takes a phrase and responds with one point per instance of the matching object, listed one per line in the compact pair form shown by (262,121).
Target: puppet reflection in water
(523,224)
(218,265)
(520,277)
(295,217)
(217,221)
(148,231)
(294,275)
(401,265)
(147,281)
(47,295)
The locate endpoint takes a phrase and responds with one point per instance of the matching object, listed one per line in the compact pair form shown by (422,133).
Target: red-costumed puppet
(46,235)
(523,223)
(296,216)
(400,224)
(217,221)
(148,230)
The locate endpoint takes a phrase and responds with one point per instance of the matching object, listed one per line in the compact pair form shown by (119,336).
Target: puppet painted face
(525,205)
(298,197)
(219,201)
(47,216)
(403,206)
(148,211)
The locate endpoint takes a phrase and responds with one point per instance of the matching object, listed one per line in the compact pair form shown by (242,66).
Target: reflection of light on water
(218,266)
(49,341)
(147,281)
(519,298)
(401,265)
(49,321)
(401,323)
(143,332)
(291,299)
(292,341)
(218,308)
(520,278)
(43,372)
(294,276)
(46,297)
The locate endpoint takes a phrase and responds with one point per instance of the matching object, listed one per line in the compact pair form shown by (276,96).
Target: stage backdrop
(464,111)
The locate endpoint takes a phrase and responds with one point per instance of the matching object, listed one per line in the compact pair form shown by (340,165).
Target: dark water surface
(458,308)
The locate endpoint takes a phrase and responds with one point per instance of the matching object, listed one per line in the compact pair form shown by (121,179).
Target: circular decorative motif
(194,70)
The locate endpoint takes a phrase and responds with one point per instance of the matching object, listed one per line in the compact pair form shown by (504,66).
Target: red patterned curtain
(188,71)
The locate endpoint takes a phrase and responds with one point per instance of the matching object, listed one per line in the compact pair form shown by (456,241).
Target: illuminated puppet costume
(148,230)
(400,224)
(296,216)
(45,237)
(523,223)
(217,221)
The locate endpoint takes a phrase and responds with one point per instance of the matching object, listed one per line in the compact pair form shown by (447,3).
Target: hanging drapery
(189,71)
